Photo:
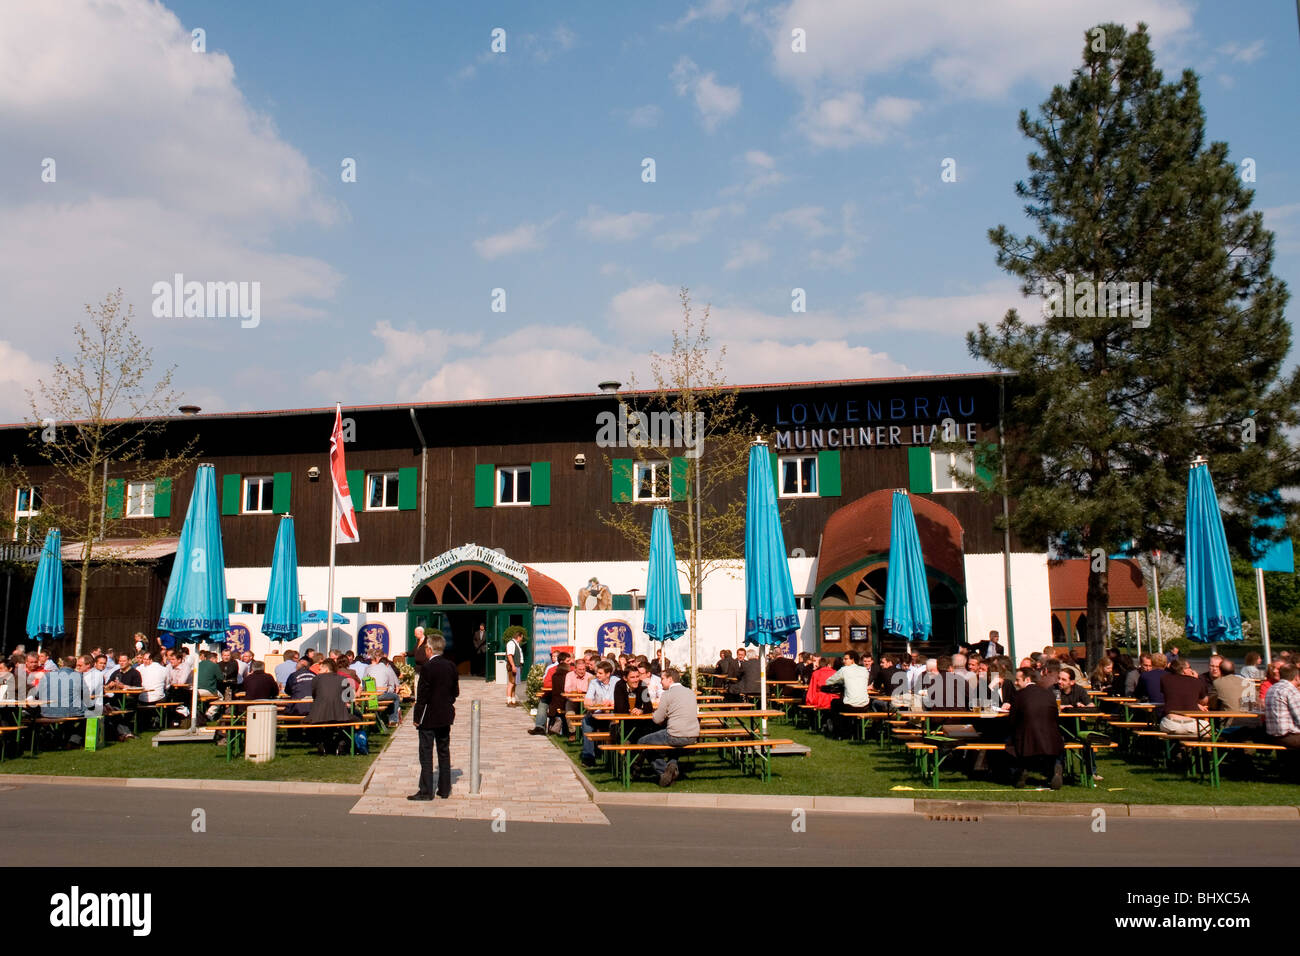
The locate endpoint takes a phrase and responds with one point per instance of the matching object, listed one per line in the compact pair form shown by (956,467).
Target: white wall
(721,621)
(986,606)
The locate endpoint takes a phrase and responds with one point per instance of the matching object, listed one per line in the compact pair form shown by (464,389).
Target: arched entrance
(853,573)
(469,587)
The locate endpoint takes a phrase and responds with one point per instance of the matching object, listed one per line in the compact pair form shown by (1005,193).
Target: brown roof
(123,549)
(1067,583)
(861,528)
(547,591)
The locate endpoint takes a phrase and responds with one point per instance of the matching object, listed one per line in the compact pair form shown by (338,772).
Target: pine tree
(1112,399)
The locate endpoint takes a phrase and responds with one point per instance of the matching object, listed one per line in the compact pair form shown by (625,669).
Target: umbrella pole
(194,690)
(762,687)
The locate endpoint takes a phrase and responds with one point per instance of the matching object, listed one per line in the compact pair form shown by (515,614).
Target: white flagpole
(329,602)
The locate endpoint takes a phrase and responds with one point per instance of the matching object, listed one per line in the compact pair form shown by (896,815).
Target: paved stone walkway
(528,778)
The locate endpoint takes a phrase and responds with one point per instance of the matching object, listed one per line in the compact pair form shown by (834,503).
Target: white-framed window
(515,485)
(379,606)
(259,494)
(653,481)
(27,505)
(942,462)
(250,607)
(798,476)
(139,499)
(381,491)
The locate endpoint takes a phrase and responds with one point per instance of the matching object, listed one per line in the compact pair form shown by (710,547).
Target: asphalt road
(57,825)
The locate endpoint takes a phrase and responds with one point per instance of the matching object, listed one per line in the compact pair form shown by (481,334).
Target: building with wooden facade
(528,482)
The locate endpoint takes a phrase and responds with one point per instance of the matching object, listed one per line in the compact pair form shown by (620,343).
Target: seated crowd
(121,687)
(624,684)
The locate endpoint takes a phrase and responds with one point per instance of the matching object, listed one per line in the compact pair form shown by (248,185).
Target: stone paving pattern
(529,778)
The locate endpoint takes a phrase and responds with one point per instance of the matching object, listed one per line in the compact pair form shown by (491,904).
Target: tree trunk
(1098,616)
(81,600)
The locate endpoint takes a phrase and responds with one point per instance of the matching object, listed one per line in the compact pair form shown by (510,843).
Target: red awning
(861,528)
(1067,584)
(547,591)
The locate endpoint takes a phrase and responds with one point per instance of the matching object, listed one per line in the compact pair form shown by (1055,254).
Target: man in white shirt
(600,697)
(386,684)
(651,683)
(94,683)
(856,682)
(245,659)
(153,679)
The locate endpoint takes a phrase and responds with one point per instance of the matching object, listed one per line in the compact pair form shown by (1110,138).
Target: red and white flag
(345,527)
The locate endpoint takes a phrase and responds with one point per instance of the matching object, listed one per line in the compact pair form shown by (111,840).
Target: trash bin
(501,667)
(261,733)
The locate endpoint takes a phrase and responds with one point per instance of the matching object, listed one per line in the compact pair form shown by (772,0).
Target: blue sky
(522,171)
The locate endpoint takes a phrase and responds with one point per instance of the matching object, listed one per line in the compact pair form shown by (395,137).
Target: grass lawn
(852,769)
(139,758)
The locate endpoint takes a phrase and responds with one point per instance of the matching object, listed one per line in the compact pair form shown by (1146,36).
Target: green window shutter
(350,605)
(401,605)
(919,478)
(679,471)
(280,489)
(230,491)
(230,605)
(485,494)
(984,457)
(686,602)
(115,498)
(621,602)
(162,498)
(776,473)
(357,489)
(408,482)
(541,482)
(828,474)
(621,489)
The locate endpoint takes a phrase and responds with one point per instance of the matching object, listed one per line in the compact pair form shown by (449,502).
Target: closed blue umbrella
(1213,613)
(45,613)
(664,618)
(771,615)
(907,595)
(283,618)
(195,608)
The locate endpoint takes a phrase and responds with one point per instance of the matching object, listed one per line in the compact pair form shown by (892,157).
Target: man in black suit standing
(435,712)
(1035,733)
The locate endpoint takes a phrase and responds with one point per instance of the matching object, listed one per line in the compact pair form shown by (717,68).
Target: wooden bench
(756,746)
(38,722)
(923,750)
(235,733)
(1218,752)
(16,731)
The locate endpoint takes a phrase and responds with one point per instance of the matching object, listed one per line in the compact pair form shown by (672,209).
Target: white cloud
(806,220)
(616,227)
(546,46)
(758,173)
(714,101)
(18,373)
(644,117)
(162,167)
(750,252)
(979,50)
(400,369)
(701,223)
(523,238)
(1284,222)
(844,120)
(1243,54)
(716,10)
